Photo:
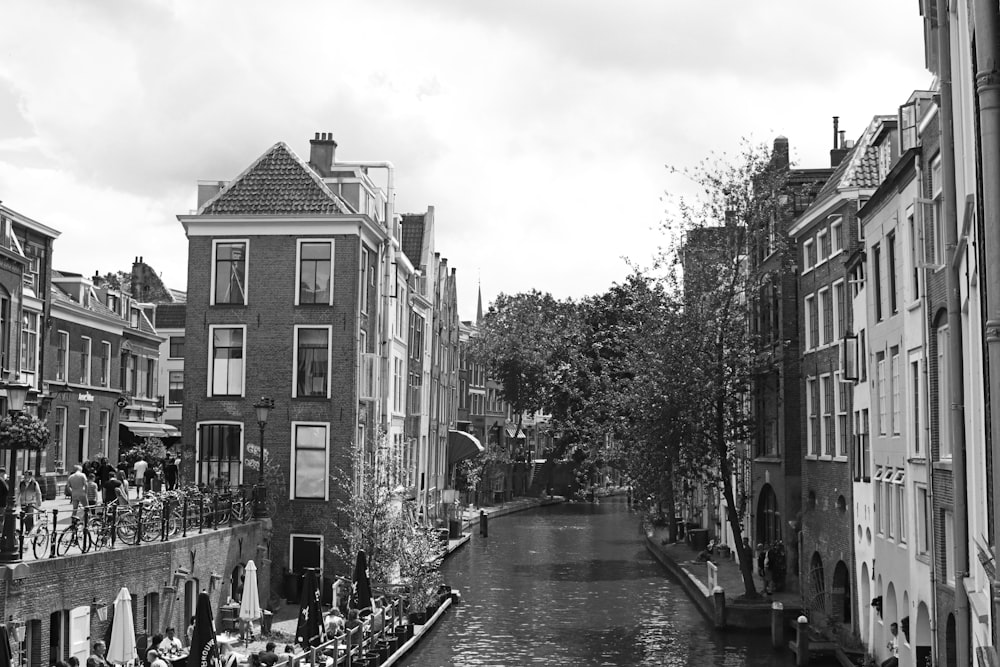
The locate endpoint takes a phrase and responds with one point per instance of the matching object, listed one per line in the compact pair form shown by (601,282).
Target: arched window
(817,580)
(768,516)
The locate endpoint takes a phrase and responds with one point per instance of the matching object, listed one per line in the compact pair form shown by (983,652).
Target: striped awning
(151,429)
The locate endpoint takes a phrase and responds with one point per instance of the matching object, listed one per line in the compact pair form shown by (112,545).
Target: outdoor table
(178,659)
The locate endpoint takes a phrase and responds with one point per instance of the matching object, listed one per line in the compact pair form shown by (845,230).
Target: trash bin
(265,622)
(699,538)
(454,529)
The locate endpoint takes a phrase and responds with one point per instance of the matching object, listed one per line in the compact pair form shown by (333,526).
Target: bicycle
(39,536)
(74,535)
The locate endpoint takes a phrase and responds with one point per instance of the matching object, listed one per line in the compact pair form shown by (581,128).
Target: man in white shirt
(170,643)
(893,646)
(140,476)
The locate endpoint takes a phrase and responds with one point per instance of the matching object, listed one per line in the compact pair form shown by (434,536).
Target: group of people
(772,566)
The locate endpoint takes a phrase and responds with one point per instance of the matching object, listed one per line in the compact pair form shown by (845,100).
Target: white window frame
(878,500)
(197,446)
(881,397)
(295,356)
(837,307)
(937,235)
(827,414)
(889,503)
(170,382)
(841,417)
(326,457)
(298,266)
(949,547)
(806,266)
(824,293)
(84,426)
(29,332)
(246,271)
(104,428)
(88,348)
(64,352)
(812,419)
(836,229)
(313,536)
(106,380)
(819,247)
(916,397)
(943,395)
(365,258)
(810,304)
(896,412)
(922,512)
(61,432)
(899,503)
(211,365)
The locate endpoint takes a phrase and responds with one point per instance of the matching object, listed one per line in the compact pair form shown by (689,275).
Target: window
(823,246)
(175,391)
(104,430)
(826,316)
(862,453)
(176,347)
(890,241)
(83,441)
(936,250)
(923,509)
(812,410)
(229,270)
(877,280)
(839,309)
(896,391)
(836,234)
(29,346)
(899,504)
(60,434)
(915,385)
(949,547)
(310,461)
(862,357)
(842,424)
(220,454)
(877,497)
(943,395)
(808,255)
(114,303)
(812,323)
(227,355)
(133,318)
(315,272)
(880,384)
(105,364)
(312,362)
(150,384)
(364,283)
(62,355)
(889,505)
(827,408)
(305,551)
(914,258)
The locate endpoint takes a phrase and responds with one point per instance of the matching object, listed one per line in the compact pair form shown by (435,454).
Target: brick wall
(32,591)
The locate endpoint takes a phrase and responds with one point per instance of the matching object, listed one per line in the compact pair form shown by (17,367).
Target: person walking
(170,470)
(30,499)
(97,658)
(77,485)
(139,475)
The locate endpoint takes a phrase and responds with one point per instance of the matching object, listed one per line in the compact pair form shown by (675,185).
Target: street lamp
(263,408)
(9,552)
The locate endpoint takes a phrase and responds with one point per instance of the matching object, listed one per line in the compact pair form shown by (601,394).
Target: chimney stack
(840,149)
(322,153)
(779,156)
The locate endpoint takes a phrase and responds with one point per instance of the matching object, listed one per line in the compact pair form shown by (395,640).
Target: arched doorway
(840,600)
(865,606)
(768,516)
(950,646)
(922,636)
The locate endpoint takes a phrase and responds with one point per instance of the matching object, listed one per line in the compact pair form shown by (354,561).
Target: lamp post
(263,408)
(9,552)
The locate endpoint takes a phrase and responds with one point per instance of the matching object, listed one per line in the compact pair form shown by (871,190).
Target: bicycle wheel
(40,542)
(67,538)
(151,525)
(128,528)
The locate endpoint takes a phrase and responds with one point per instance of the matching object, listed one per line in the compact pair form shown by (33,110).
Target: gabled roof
(277,183)
(413,237)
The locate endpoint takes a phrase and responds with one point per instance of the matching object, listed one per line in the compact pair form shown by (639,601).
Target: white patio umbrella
(250,604)
(122,649)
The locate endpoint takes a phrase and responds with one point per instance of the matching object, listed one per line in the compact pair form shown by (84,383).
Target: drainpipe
(987,27)
(956,379)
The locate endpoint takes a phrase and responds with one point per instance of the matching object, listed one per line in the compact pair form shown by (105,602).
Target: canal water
(573,585)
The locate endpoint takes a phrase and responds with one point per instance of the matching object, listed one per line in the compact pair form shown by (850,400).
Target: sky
(539,130)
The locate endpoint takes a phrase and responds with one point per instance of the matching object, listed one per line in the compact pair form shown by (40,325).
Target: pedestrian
(97,658)
(893,646)
(170,466)
(139,472)
(148,476)
(77,485)
(30,499)
(111,488)
(73,661)
(268,657)
(91,489)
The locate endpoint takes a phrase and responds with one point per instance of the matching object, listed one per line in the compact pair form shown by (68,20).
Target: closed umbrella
(361,591)
(250,603)
(204,648)
(122,648)
(6,658)
(309,630)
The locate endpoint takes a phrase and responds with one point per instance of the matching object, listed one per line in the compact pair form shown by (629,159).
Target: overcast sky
(538,129)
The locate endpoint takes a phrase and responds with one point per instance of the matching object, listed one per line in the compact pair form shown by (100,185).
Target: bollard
(184,518)
(719,599)
(52,535)
(484,524)
(777,624)
(802,641)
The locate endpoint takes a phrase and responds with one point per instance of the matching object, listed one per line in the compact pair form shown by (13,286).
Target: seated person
(268,657)
(171,643)
(352,620)
(335,623)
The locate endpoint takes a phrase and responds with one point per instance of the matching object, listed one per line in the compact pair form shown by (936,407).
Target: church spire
(479,307)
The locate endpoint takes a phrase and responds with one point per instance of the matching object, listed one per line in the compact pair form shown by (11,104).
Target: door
(79,633)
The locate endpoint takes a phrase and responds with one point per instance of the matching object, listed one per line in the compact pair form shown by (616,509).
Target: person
(893,646)
(91,489)
(773,566)
(30,499)
(139,475)
(227,656)
(148,476)
(104,472)
(268,657)
(154,659)
(335,622)
(352,620)
(111,488)
(61,663)
(171,643)
(73,661)
(97,658)
(77,485)
(170,470)
(190,631)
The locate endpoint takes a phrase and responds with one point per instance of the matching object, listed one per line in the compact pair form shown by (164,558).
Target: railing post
(53,535)
(232,519)
(201,513)
(215,511)
(113,512)
(164,520)
(184,517)
(20,538)
(138,528)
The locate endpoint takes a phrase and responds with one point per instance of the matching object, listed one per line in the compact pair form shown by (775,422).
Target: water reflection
(573,585)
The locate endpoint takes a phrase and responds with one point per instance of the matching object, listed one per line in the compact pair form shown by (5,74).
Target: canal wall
(695,590)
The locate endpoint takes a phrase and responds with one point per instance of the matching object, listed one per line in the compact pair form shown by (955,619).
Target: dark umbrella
(309,630)
(204,647)
(361,590)
(6,658)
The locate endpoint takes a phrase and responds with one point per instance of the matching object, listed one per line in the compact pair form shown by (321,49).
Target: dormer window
(133,318)
(113,302)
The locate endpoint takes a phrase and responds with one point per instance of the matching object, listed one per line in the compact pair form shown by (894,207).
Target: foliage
(23,431)
(150,449)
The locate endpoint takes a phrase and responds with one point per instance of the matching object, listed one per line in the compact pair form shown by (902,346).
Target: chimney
(208,189)
(136,291)
(779,157)
(322,153)
(840,149)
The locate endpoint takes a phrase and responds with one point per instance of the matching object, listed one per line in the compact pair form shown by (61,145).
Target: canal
(573,585)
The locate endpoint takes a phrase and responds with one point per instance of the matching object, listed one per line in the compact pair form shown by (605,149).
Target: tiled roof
(413,237)
(277,183)
(170,315)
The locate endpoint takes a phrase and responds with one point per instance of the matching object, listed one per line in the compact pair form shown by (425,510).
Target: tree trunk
(668,491)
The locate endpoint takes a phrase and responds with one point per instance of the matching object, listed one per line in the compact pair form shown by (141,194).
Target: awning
(151,429)
(511,434)
(462,445)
